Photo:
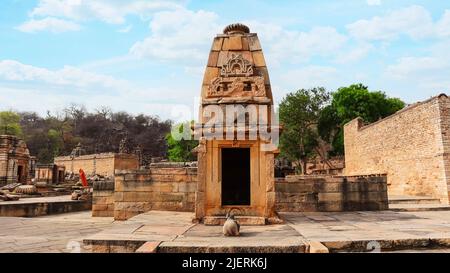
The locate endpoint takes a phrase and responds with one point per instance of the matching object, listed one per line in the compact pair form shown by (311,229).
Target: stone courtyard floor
(173,231)
(49,234)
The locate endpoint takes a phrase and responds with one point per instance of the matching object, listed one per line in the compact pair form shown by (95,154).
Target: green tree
(180,150)
(349,103)
(10,123)
(299,114)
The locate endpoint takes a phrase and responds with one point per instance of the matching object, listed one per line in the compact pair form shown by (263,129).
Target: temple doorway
(235,176)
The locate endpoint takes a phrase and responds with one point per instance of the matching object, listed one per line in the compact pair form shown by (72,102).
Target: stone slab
(33,207)
(242,220)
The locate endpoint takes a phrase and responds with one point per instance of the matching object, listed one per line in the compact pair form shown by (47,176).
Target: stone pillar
(270,185)
(201,180)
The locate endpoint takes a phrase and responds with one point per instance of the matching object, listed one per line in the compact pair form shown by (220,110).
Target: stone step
(387,245)
(34,207)
(242,220)
(418,207)
(188,247)
(414,200)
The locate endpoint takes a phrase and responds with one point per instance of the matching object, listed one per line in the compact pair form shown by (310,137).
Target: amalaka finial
(236,28)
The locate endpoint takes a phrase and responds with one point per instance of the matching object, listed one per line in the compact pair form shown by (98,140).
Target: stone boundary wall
(172,187)
(103,164)
(162,187)
(103,199)
(410,146)
(331,193)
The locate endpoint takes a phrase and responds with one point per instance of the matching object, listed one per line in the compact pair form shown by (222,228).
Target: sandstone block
(317,247)
(245,43)
(213,58)
(210,74)
(149,247)
(258,59)
(232,43)
(254,44)
(217,44)
(325,197)
(333,206)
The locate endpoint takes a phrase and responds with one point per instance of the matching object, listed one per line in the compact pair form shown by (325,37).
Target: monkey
(231,226)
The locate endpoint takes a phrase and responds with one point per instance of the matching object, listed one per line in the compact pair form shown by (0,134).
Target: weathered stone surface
(33,207)
(104,164)
(254,43)
(160,188)
(410,146)
(317,247)
(213,58)
(232,43)
(148,247)
(217,44)
(258,58)
(328,193)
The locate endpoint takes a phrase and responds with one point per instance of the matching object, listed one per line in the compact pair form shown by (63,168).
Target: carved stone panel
(237,79)
(237,87)
(237,66)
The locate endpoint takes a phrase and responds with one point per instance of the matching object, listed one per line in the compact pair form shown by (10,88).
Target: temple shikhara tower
(237,132)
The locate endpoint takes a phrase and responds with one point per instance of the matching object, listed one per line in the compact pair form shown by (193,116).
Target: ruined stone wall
(411,147)
(102,164)
(331,193)
(103,199)
(171,187)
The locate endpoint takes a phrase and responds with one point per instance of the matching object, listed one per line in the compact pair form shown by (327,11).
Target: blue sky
(145,56)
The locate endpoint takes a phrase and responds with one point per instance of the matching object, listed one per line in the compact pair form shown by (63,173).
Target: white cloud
(311,76)
(125,29)
(15,71)
(429,74)
(24,86)
(355,54)
(410,67)
(109,11)
(178,35)
(414,21)
(443,26)
(281,45)
(373,2)
(48,24)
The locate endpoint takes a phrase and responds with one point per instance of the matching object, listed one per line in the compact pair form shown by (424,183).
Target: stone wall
(411,147)
(102,164)
(103,199)
(164,186)
(331,193)
(170,186)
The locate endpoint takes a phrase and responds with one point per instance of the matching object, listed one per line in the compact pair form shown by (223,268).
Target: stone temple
(14,160)
(235,172)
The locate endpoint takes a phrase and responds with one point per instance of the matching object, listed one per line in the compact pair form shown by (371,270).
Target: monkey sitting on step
(231,226)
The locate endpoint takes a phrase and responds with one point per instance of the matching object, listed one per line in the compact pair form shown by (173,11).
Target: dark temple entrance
(235,177)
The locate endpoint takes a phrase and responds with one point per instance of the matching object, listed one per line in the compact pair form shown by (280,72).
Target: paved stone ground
(49,234)
(53,233)
(351,226)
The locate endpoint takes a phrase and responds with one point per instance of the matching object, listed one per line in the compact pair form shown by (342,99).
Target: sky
(148,56)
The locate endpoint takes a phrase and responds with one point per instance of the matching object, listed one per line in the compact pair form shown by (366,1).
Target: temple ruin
(14,160)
